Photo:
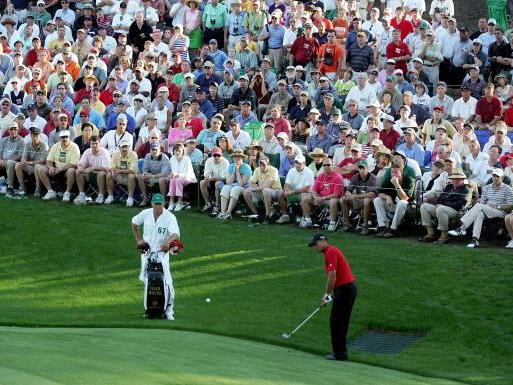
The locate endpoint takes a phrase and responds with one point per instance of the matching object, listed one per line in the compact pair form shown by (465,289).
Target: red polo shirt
(281,125)
(195,125)
(508,116)
(405,26)
(488,110)
(396,50)
(334,260)
(390,138)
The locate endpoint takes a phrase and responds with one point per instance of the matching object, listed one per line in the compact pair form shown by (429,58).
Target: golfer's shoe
(50,195)
(170,315)
(332,357)
(283,219)
(459,232)
(220,215)
(109,200)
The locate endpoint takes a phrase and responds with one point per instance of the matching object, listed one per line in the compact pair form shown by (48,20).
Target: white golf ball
(208,300)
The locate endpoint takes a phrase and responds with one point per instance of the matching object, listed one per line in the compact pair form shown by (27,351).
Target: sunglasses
(327,165)
(216,156)
(64,137)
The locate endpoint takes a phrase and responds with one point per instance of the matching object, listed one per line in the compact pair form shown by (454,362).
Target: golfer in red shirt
(341,287)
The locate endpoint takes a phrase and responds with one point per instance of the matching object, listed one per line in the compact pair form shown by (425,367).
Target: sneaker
(509,245)
(66,197)
(9,192)
(306,222)
(253,216)
(365,231)
(390,234)
(21,193)
(171,206)
(80,199)
(332,226)
(459,232)
(109,200)
(215,211)
(129,202)
(99,199)
(220,215)
(50,195)
(178,207)
(474,244)
(285,218)
(207,207)
(227,217)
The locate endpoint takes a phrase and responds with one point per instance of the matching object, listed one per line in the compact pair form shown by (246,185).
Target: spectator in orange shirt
(36,79)
(72,66)
(331,55)
(44,64)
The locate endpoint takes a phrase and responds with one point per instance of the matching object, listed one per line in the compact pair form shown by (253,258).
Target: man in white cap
(61,163)
(112,138)
(298,181)
(496,200)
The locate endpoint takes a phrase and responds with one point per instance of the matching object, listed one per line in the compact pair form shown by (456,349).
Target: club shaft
(305,321)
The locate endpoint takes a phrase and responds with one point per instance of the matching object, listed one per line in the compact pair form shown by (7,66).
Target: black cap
(35,130)
(316,238)
(463,29)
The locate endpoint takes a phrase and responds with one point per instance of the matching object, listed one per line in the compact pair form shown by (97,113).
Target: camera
(236,30)
(212,21)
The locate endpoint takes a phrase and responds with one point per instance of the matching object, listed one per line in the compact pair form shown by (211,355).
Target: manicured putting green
(53,356)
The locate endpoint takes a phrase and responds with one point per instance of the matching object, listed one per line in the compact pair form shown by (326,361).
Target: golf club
(285,335)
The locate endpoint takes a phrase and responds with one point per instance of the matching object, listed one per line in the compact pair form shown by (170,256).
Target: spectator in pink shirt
(180,133)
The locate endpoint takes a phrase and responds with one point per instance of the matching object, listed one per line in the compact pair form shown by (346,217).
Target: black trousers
(343,301)
(445,72)
(457,75)
(215,33)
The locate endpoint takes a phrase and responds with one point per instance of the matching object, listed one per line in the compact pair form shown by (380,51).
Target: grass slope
(76,266)
(135,356)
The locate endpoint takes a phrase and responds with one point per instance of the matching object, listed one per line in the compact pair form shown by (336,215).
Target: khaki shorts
(121,179)
(258,196)
(153,181)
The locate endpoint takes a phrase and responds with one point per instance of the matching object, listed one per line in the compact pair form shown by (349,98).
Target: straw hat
(238,153)
(317,152)
(255,144)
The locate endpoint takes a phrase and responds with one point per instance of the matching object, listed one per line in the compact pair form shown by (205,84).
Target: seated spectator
(433,190)
(474,157)
(488,109)
(269,142)
(155,170)
(348,167)
(359,195)
(264,185)
(214,175)
(442,100)
(111,139)
(94,163)
(463,137)
(383,164)
(237,179)
(246,116)
(393,197)
(475,83)
(61,163)
(431,125)
(193,153)
(123,171)
(181,175)
(11,151)
(411,147)
(343,152)
(298,181)
(35,153)
(83,141)
(444,208)
(496,199)
(179,133)
(326,191)
(465,107)
(482,171)
(321,139)
(499,139)
(389,136)
(287,158)
(240,139)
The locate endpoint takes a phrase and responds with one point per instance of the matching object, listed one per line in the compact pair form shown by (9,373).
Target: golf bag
(155,294)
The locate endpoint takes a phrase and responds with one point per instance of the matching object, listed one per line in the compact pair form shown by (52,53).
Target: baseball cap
(217,151)
(390,61)
(300,159)
(123,142)
(492,22)
(409,130)
(498,172)
(314,111)
(244,77)
(356,147)
(419,60)
(283,136)
(154,145)
(387,117)
(157,199)
(63,133)
(377,142)
(362,163)
(439,108)
(121,117)
(35,130)
(63,116)
(401,154)
(316,238)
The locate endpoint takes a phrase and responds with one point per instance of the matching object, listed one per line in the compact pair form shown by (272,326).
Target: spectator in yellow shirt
(124,169)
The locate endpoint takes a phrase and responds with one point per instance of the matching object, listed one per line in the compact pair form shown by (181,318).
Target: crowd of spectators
(323,106)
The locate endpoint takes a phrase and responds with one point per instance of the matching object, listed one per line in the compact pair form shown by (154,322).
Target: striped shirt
(360,58)
(503,195)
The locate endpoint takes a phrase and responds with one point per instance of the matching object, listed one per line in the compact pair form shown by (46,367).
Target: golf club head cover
(328,298)
(176,246)
(143,247)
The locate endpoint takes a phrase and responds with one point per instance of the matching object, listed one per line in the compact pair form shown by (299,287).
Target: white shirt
(472,163)
(59,57)
(38,122)
(448,41)
(443,5)
(35,30)
(111,140)
(183,168)
(54,36)
(156,233)
(216,170)
(144,85)
(131,8)
(299,180)
(68,16)
(150,15)
(374,28)
(122,20)
(420,5)
(177,12)
(463,109)
(506,145)
(242,141)
(363,97)
(289,37)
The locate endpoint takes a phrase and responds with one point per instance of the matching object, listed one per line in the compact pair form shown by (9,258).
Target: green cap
(362,163)
(157,199)
(336,111)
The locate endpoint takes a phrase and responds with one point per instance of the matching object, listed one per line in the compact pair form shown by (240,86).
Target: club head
(285,335)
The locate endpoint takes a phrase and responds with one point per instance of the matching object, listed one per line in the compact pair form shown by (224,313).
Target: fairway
(77,267)
(133,356)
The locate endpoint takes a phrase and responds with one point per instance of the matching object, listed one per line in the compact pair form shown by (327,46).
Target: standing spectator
(360,56)
(235,26)
(305,49)
(462,49)
(431,53)
(274,33)
(214,19)
(331,56)
(398,51)
(499,54)
(448,43)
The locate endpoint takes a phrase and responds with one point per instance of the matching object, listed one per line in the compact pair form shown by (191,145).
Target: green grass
(77,267)
(135,356)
